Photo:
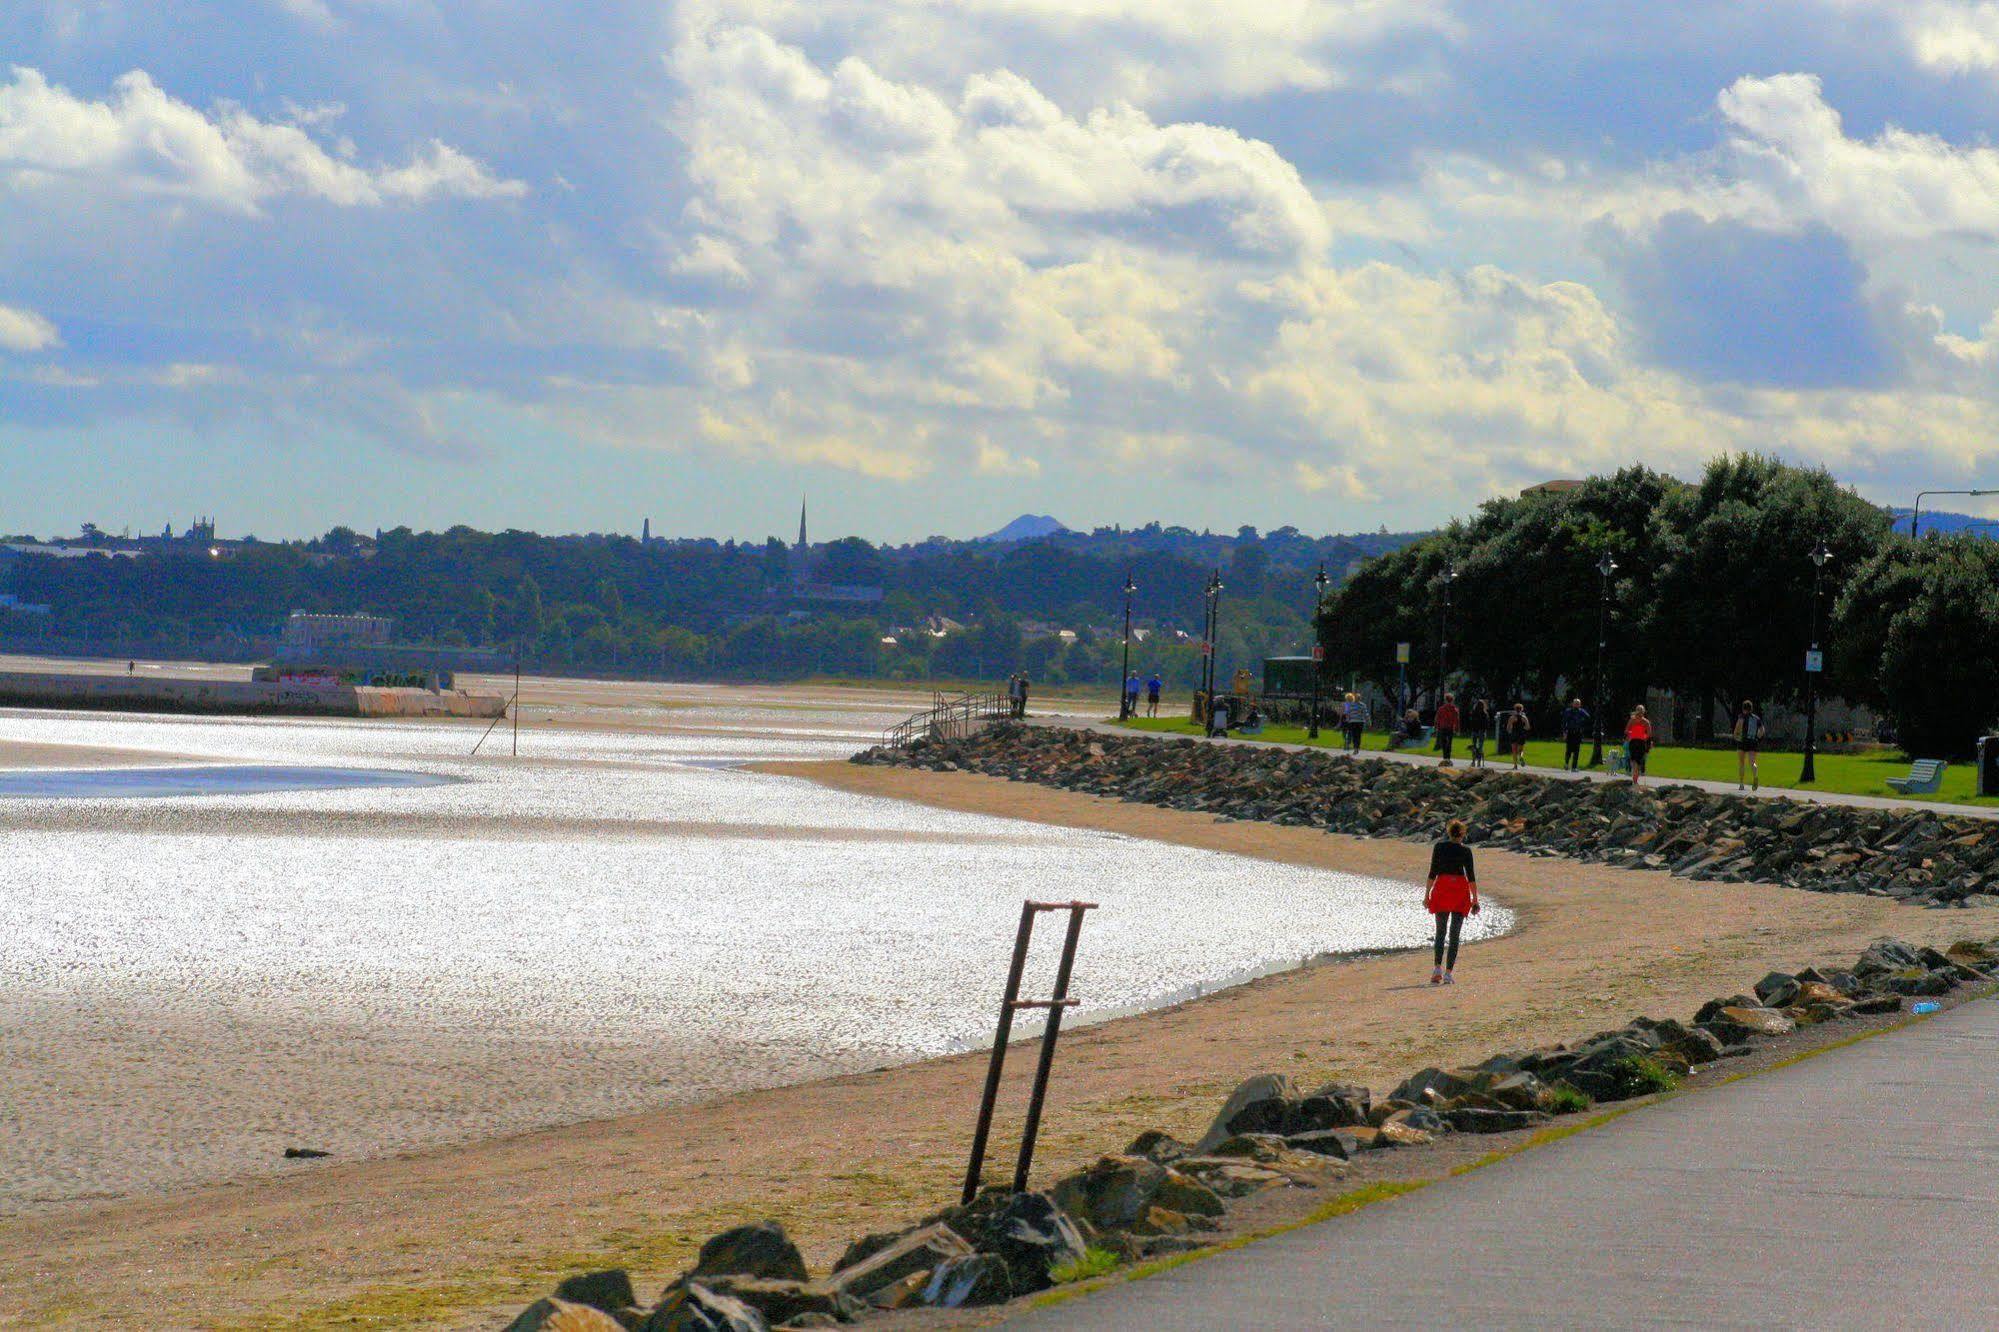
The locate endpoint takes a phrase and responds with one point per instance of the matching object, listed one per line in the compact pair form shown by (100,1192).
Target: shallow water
(610,921)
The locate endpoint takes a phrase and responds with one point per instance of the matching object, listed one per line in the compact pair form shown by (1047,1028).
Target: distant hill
(1933,521)
(1028,527)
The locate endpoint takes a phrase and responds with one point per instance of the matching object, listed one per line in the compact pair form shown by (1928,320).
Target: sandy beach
(453,1237)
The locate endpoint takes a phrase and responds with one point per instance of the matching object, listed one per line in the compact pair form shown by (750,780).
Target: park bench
(1925,778)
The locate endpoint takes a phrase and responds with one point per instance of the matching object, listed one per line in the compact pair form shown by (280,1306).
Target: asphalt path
(1859,1188)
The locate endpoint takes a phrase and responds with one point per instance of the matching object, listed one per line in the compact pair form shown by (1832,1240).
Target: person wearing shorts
(1748,744)
(1517,729)
(1152,687)
(1637,742)
(1450,896)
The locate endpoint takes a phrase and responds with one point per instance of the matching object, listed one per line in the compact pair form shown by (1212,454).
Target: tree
(1918,619)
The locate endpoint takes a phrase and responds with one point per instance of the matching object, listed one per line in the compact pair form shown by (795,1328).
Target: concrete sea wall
(128,694)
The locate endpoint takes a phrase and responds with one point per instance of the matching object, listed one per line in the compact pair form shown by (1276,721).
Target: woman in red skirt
(1452,895)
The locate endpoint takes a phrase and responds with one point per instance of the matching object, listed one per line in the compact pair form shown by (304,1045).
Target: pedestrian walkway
(1651,782)
(1855,1189)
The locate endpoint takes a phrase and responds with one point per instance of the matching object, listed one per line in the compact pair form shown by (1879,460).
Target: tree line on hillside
(1714,595)
(708,609)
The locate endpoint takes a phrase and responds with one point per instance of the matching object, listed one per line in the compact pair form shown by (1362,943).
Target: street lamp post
(1605,567)
(1916,513)
(1814,663)
(1318,607)
(1124,675)
(1444,580)
(1210,626)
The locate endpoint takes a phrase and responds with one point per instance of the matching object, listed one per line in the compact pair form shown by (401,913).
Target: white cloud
(1952,38)
(1898,185)
(26,331)
(144,141)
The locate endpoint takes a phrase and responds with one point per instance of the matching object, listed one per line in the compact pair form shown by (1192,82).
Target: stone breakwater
(1160,1196)
(1913,855)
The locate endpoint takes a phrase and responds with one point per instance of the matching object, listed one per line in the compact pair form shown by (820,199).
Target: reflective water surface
(189,983)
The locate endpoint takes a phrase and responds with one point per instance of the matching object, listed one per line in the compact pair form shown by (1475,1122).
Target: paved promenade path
(1424,759)
(1856,1189)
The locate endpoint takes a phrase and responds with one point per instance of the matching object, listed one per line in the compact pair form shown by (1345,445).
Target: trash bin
(1988,766)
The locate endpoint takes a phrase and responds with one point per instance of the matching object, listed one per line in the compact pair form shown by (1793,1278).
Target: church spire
(801,523)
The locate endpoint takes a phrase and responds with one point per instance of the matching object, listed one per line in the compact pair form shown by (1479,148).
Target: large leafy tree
(1914,631)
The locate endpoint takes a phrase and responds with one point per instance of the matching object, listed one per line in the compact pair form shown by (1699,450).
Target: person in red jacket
(1637,742)
(1452,894)
(1446,722)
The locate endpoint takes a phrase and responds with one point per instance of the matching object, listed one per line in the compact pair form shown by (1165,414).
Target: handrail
(948,719)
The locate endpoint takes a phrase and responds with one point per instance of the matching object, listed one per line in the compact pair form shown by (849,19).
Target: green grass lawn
(1853,774)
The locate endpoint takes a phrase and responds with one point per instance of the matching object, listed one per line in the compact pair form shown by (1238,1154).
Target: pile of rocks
(1161,1195)
(1915,855)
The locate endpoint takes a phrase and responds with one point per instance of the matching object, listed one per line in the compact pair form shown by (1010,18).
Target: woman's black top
(1452,858)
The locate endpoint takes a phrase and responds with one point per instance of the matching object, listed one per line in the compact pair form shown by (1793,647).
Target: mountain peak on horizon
(1027,527)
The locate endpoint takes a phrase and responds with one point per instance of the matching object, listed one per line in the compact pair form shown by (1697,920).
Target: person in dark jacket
(1478,725)
(1446,722)
(1575,725)
(1452,894)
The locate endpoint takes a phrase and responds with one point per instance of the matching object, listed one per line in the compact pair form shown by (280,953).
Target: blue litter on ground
(1926,1007)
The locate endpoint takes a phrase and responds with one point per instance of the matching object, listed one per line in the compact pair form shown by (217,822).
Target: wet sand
(453,1237)
(20,754)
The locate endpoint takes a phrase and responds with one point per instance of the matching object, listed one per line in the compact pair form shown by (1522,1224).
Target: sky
(1338,264)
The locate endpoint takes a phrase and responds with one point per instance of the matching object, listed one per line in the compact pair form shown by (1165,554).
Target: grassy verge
(1846,774)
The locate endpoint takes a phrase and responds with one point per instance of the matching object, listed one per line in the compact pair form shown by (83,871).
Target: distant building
(802,586)
(307,634)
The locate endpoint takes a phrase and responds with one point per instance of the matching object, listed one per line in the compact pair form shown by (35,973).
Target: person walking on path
(1013,694)
(1131,695)
(1575,725)
(1356,722)
(1748,746)
(1478,725)
(1450,896)
(1637,742)
(1023,695)
(1447,727)
(1517,727)
(1153,684)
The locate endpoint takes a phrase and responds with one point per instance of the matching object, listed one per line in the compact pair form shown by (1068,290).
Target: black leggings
(1572,750)
(1451,922)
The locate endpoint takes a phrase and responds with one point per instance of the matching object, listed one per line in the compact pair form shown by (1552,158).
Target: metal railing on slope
(949,719)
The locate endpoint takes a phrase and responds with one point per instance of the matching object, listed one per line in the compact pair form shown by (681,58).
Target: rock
(1252,1146)
(1112,1194)
(902,1292)
(1519,1091)
(1155,1145)
(305,1154)
(1885,955)
(1340,1144)
(1752,1019)
(1777,990)
(1916,981)
(1231,1178)
(1398,1131)
(1188,1196)
(610,1290)
(785,1301)
(1432,1084)
(1027,1231)
(1492,1121)
(760,1250)
(1324,1112)
(1161,1221)
(1258,1102)
(813,1320)
(969,1282)
(1819,992)
(915,1254)
(692,1307)
(559,1315)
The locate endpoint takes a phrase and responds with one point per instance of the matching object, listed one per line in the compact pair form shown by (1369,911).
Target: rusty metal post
(1057,1002)
(1007,1005)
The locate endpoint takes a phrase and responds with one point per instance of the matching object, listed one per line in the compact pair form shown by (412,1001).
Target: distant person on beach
(1152,688)
(1517,728)
(1450,896)
(1013,695)
(1478,725)
(1354,722)
(1575,725)
(1748,745)
(1021,709)
(1447,727)
(1637,742)
(1131,695)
